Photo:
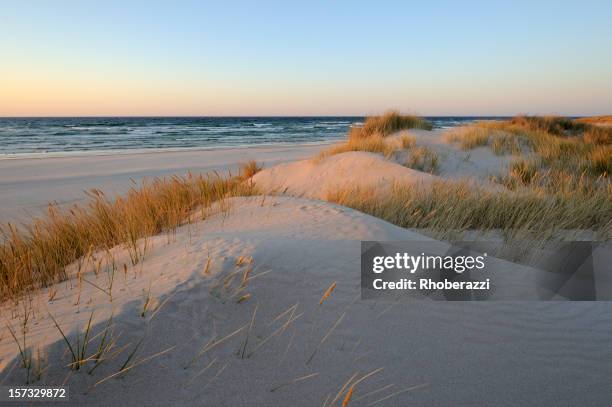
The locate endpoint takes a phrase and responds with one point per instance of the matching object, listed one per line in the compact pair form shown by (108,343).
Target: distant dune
(597,120)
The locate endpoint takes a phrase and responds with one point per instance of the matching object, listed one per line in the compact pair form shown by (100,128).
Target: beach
(29,184)
(339,204)
(433,352)
(257,300)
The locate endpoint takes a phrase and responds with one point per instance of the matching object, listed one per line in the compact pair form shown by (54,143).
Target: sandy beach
(29,184)
(306,204)
(446,353)
(259,304)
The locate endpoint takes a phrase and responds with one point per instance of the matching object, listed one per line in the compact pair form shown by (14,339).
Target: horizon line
(279,116)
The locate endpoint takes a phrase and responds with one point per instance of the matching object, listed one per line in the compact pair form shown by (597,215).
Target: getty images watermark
(476,271)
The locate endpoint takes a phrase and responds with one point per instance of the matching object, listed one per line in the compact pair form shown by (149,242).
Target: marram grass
(38,254)
(448,207)
(371,136)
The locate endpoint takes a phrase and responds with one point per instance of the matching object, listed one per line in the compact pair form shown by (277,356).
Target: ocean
(40,137)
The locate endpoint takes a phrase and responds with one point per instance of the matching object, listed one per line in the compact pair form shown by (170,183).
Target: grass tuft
(407,141)
(389,123)
(38,254)
(249,169)
(423,159)
(446,208)
(373,144)
(371,136)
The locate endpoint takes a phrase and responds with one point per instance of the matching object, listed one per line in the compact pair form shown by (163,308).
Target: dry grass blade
(215,376)
(132,353)
(347,398)
(213,344)
(368,375)
(140,362)
(201,372)
(326,400)
(282,314)
(296,380)
(246,339)
(388,386)
(314,352)
(418,386)
(349,393)
(160,306)
(97,286)
(207,267)
(243,298)
(254,276)
(26,359)
(344,386)
(276,332)
(327,293)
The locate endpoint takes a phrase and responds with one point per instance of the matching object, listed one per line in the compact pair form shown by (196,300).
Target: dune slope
(280,347)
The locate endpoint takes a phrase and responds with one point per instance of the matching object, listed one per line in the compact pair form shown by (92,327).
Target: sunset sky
(72,58)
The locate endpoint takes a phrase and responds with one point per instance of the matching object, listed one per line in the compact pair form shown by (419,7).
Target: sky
(148,58)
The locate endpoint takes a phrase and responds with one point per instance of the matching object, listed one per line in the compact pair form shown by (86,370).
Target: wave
(34,137)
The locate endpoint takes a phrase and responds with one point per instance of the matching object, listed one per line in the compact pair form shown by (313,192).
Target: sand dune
(446,353)
(226,311)
(315,178)
(312,179)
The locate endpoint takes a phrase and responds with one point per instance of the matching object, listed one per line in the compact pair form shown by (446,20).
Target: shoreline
(154,150)
(29,184)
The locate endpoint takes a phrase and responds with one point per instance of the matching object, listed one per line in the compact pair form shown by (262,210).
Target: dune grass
(563,149)
(599,120)
(558,161)
(558,181)
(598,135)
(424,159)
(373,144)
(38,254)
(389,123)
(371,136)
(471,137)
(407,141)
(559,126)
(447,208)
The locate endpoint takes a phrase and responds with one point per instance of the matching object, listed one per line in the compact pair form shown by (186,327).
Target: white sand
(28,185)
(455,163)
(316,178)
(466,353)
(311,179)
(493,353)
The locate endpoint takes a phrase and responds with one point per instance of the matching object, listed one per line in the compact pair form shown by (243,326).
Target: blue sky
(278,58)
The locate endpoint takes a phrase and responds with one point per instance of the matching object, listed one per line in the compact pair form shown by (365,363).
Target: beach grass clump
(598,135)
(407,141)
(371,136)
(248,169)
(470,137)
(523,172)
(375,143)
(505,143)
(38,254)
(596,120)
(599,161)
(423,159)
(559,126)
(446,208)
(564,150)
(389,123)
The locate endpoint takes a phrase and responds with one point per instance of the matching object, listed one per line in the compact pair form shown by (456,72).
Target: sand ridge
(195,329)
